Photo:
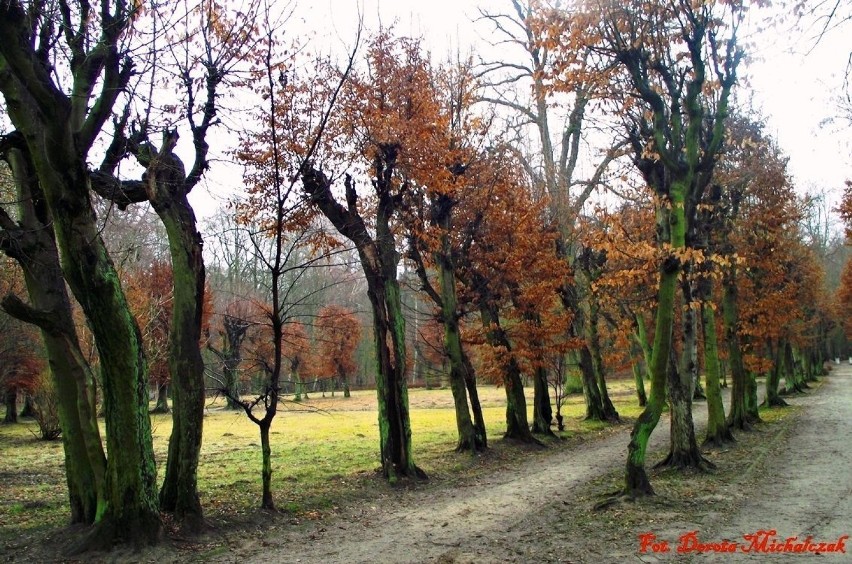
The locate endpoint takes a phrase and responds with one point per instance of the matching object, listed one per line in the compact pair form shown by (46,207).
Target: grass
(325,451)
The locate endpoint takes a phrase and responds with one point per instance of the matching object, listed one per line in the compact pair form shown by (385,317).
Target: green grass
(324,452)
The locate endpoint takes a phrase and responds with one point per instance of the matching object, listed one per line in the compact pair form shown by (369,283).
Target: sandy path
(470,523)
(810,491)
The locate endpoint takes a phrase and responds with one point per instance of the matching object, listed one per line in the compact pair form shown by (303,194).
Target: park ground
(792,474)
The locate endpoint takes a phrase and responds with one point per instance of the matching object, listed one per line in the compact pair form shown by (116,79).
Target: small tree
(337,332)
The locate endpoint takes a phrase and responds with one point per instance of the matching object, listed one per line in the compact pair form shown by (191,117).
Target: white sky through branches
(792,80)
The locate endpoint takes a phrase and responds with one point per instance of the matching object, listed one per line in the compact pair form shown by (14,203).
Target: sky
(795,80)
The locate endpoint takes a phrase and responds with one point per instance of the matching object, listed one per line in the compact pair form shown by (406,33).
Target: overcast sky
(795,82)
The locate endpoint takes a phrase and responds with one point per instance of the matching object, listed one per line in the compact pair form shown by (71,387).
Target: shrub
(46,408)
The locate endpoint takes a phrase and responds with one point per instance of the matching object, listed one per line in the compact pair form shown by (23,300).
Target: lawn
(324,453)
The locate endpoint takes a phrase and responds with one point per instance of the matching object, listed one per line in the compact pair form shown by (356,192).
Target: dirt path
(809,493)
(501,518)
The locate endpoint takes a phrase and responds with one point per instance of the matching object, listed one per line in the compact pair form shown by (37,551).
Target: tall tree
(676,66)
(60,113)
(207,61)
(561,95)
(382,107)
(32,244)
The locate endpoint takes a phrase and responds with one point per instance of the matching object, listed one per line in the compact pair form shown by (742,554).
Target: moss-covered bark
(50,310)
(718,431)
(636,478)
(167,192)
(472,435)
(639,382)
(59,130)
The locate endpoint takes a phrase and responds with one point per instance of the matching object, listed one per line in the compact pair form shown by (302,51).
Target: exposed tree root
(108,534)
(721,438)
(543,432)
(774,402)
(472,446)
(683,460)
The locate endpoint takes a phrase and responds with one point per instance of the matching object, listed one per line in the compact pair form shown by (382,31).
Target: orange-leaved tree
(671,67)
(388,112)
(337,332)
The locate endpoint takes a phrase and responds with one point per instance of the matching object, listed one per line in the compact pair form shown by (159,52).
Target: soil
(792,476)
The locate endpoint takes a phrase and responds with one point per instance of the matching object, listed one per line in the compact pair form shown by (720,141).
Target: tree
(32,244)
(59,128)
(676,66)
(437,190)
(337,332)
(293,115)
(380,108)
(557,111)
(513,276)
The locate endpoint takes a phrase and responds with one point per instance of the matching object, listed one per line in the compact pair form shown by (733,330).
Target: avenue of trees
(598,200)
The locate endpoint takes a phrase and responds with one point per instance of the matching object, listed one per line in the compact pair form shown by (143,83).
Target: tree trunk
(683,451)
(52,130)
(298,386)
(517,426)
(379,261)
(267,501)
(475,405)
(11,401)
(739,415)
(639,381)
(718,431)
(28,410)
(162,399)
(168,195)
(471,436)
(591,393)
(773,399)
(794,379)
(391,389)
(636,481)
(593,339)
(542,410)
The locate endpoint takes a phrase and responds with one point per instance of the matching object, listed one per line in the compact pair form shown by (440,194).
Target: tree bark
(10,398)
(718,431)
(162,399)
(542,410)
(58,141)
(773,379)
(27,410)
(167,190)
(472,436)
(636,481)
(739,415)
(639,382)
(594,341)
(517,426)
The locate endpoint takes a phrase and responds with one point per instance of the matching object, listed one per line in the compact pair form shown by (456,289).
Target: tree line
(596,199)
